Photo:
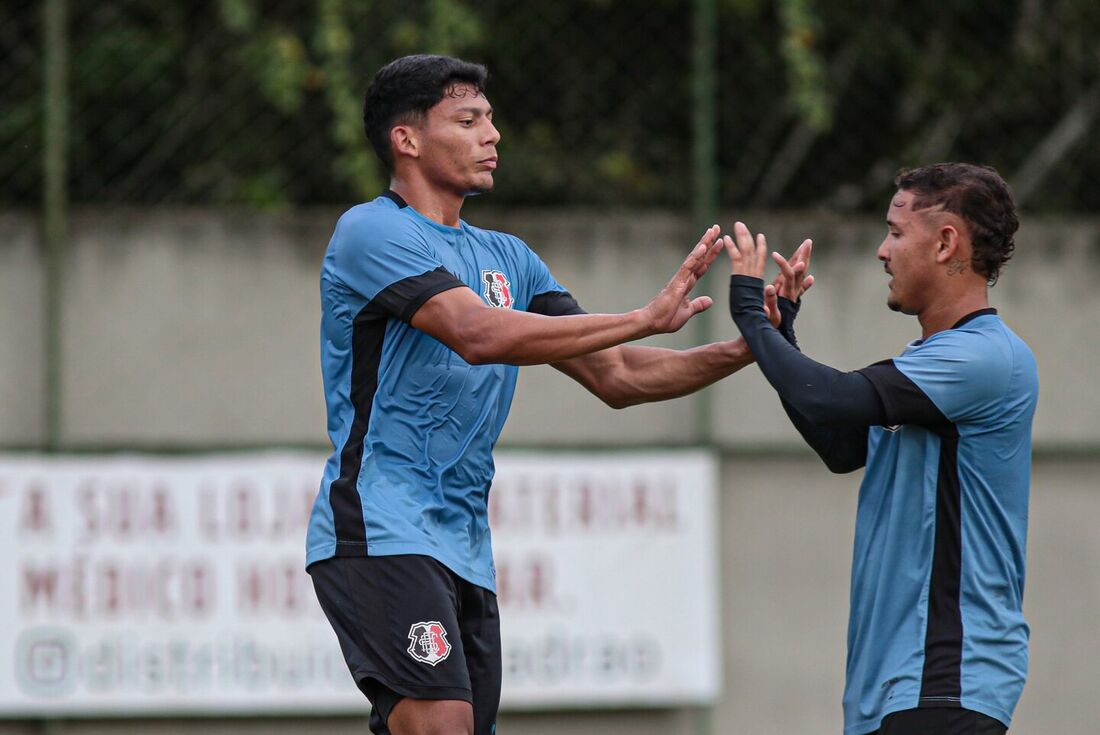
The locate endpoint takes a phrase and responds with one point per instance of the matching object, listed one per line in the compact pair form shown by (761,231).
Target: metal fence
(789,103)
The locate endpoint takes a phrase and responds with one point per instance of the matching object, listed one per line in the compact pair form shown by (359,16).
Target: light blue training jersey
(412,424)
(940,544)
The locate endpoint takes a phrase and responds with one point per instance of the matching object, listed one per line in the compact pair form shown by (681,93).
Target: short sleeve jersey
(938,569)
(411,423)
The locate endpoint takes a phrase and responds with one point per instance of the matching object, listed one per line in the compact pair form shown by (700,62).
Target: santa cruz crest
(496,289)
(428,642)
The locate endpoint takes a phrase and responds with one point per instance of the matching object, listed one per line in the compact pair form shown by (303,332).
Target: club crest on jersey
(496,289)
(428,642)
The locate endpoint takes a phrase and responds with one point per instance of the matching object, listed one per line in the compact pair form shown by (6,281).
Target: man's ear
(951,244)
(405,141)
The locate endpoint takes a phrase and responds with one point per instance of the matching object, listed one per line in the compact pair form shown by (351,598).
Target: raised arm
(843,448)
(818,398)
(629,375)
(482,334)
(822,394)
(830,409)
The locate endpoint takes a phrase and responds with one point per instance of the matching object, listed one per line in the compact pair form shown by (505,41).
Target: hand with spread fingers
(673,306)
(748,256)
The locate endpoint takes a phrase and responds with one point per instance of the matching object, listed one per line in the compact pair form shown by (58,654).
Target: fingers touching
(748,256)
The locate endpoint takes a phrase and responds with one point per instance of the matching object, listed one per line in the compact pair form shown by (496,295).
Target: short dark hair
(980,197)
(405,89)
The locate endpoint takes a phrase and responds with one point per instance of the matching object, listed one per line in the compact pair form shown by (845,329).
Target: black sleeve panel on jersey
(821,394)
(555,303)
(401,299)
(903,400)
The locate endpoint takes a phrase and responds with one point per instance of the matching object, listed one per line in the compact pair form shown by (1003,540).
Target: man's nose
(494,134)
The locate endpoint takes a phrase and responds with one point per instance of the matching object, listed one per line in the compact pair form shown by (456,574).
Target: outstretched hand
(748,257)
(673,306)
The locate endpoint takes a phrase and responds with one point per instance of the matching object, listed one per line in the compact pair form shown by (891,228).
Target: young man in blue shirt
(424,320)
(937,641)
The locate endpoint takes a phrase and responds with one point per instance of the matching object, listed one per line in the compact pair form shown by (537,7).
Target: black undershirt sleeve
(822,394)
(832,410)
(836,428)
(843,449)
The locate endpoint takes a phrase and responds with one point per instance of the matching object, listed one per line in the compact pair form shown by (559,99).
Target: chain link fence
(815,102)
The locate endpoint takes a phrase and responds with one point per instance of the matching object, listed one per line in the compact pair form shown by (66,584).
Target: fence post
(704,212)
(704,171)
(54,199)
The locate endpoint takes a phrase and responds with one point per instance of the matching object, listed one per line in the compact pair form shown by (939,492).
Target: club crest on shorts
(496,289)
(428,642)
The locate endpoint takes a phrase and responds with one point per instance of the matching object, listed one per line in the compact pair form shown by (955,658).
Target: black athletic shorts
(410,627)
(939,721)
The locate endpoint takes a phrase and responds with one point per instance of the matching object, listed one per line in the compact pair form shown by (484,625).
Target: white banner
(175,585)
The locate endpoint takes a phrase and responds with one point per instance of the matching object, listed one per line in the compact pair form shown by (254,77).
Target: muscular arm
(628,375)
(483,334)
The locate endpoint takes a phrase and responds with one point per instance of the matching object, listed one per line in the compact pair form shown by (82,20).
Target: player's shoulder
(380,217)
(983,346)
(984,333)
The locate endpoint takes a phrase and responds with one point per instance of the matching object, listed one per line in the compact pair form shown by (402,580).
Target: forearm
(459,319)
(821,394)
(522,338)
(647,374)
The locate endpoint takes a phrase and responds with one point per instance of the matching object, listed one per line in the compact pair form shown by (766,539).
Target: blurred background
(170,174)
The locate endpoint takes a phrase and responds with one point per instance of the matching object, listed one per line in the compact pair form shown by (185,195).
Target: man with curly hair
(937,641)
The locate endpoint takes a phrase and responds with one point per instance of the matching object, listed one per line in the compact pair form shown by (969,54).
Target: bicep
(446,314)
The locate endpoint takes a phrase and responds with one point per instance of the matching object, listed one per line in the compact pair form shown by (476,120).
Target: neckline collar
(973,315)
(395,198)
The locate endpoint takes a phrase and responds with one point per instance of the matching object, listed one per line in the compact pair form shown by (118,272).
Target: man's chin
(483,187)
(899,307)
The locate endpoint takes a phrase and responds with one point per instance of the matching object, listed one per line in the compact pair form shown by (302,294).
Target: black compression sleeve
(819,393)
(843,449)
(788,311)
